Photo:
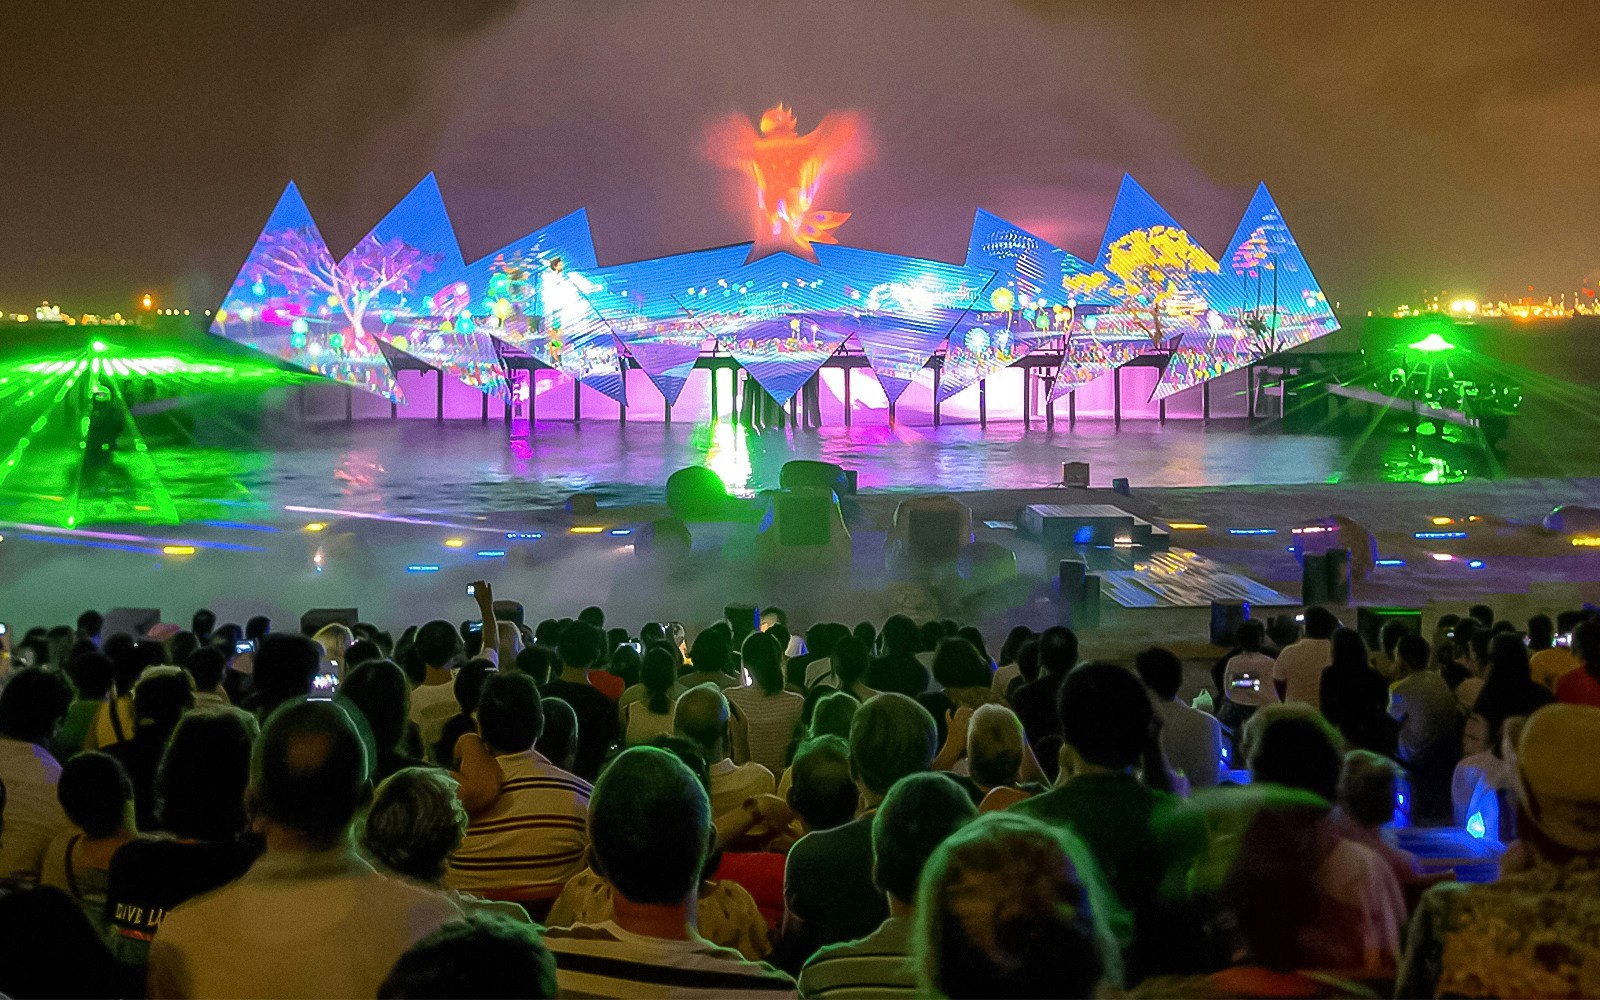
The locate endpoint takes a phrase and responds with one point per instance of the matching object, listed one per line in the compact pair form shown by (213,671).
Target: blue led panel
(643,304)
(1273,300)
(1031,304)
(407,287)
(901,308)
(534,295)
(291,301)
(783,319)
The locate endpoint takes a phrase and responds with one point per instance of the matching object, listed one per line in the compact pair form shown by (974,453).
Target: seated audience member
(804,670)
(579,651)
(538,662)
(160,699)
(917,815)
(284,668)
(897,668)
(1035,702)
(1366,804)
(335,639)
(200,807)
(643,719)
(847,667)
(113,722)
(479,957)
(310,917)
(701,716)
(433,699)
(727,915)
(467,686)
(831,716)
(1297,672)
(558,741)
(32,705)
(1107,729)
(1008,670)
(1581,686)
(1481,763)
(710,658)
(416,821)
(1191,739)
(1532,932)
(1383,658)
(52,950)
(1246,677)
(90,673)
(1547,662)
(361,651)
(1359,906)
(379,690)
(1355,697)
(824,794)
(205,667)
(961,677)
(97,797)
(996,753)
(650,829)
(1008,907)
(531,840)
(1508,688)
(1429,738)
(620,670)
(827,883)
(764,716)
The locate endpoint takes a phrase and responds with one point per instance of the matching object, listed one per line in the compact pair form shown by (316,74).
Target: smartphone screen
(637,647)
(245,646)
(472,591)
(324,685)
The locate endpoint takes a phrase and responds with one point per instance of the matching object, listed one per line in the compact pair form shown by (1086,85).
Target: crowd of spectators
(498,808)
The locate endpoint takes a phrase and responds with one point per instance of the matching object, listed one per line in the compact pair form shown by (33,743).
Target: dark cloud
(1409,144)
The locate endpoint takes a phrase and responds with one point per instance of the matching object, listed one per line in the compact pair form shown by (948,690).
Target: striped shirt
(603,960)
(531,840)
(878,965)
(768,722)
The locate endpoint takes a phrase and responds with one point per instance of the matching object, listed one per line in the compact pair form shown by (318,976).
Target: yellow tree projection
(1152,274)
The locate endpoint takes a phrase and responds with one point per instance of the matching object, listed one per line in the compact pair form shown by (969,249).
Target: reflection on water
(410,466)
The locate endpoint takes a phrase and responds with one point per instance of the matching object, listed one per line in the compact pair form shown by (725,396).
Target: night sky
(1410,145)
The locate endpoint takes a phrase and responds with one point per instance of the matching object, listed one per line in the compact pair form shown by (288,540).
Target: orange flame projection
(787,169)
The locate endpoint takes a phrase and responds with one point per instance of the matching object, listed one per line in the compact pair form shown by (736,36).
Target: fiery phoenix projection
(787,169)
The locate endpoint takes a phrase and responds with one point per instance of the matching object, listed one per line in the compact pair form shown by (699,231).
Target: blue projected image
(407,288)
(1152,290)
(291,301)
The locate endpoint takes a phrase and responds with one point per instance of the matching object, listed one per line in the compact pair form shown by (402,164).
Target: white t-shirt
(433,705)
(732,783)
(1300,667)
(33,816)
(297,924)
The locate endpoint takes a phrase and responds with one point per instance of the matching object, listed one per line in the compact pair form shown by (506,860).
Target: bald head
(309,770)
(702,716)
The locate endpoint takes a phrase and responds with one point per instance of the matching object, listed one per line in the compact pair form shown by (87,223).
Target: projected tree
(1154,279)
(374,267)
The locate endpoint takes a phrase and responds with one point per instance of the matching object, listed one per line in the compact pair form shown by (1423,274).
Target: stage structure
(780,306)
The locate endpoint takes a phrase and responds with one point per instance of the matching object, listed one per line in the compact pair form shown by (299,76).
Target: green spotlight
(1431,344)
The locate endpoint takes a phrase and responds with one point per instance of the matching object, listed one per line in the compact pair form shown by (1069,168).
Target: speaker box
(806,474)
(1370,621)
(1226,617)
(314,620)
(1086,610)
(804,518)
(134,621)
(1075,474)
(1121,487)
(1325,578)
